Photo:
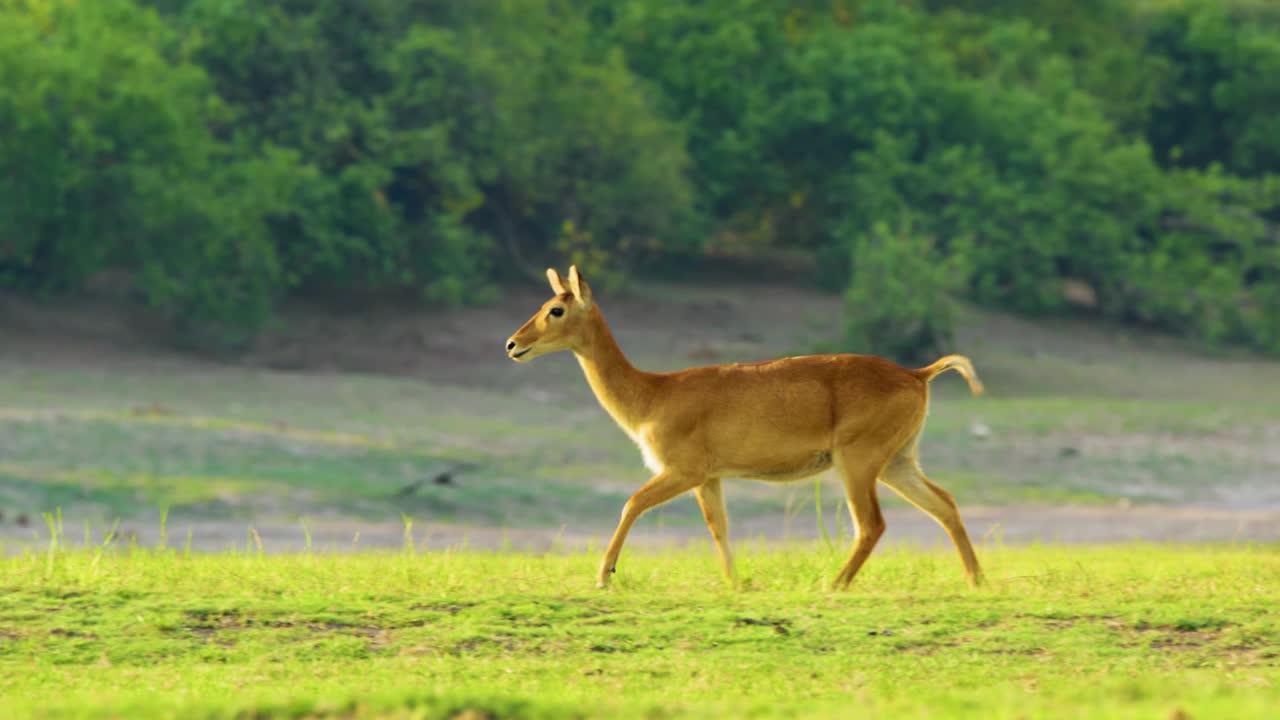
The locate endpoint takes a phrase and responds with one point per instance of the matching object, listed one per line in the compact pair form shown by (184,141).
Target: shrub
(899,294)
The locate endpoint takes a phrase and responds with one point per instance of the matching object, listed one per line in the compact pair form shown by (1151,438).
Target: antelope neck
(623,391)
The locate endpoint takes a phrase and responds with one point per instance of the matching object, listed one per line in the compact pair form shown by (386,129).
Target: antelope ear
(554,278)
(581,291)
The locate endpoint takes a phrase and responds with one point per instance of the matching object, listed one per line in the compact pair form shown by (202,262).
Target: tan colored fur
(779,420)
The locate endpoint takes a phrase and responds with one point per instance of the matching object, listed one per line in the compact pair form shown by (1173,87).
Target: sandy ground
(668,329)
(999,525)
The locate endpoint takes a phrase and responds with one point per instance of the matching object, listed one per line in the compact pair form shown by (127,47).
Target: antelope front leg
(711,500)
(661,488)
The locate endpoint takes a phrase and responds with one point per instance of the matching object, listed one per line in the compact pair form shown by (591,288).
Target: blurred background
(258,258)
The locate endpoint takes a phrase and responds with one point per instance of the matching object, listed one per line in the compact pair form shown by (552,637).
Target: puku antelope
(776,421)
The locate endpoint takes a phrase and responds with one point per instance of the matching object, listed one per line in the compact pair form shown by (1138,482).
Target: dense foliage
(228,153)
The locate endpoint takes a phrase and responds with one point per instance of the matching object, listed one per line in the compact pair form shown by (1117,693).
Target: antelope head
(559,324)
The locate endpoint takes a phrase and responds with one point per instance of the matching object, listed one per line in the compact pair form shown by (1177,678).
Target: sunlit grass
(1099,632)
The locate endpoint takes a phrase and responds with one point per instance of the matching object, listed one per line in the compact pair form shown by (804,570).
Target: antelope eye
(557,311)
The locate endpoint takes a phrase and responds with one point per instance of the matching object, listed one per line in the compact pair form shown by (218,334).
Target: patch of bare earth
(667,328)
(1232,468)
(906,527)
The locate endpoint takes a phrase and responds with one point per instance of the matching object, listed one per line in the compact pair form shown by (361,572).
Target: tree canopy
(226,154)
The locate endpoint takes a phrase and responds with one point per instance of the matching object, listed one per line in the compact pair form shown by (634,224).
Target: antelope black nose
(511,345)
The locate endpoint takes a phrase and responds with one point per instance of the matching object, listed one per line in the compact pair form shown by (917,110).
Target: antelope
(777,421)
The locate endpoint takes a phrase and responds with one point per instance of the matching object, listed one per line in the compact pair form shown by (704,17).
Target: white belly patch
(651,460)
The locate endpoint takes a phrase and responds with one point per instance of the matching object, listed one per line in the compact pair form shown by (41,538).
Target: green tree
(107,160)
(446,138)
(900,293)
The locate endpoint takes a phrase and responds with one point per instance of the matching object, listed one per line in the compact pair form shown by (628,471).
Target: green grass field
(1098,632)
(105,432)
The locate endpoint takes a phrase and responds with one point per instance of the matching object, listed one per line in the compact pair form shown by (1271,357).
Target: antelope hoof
(603,581)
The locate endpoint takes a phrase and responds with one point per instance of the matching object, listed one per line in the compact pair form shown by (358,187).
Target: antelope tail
(960,364)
